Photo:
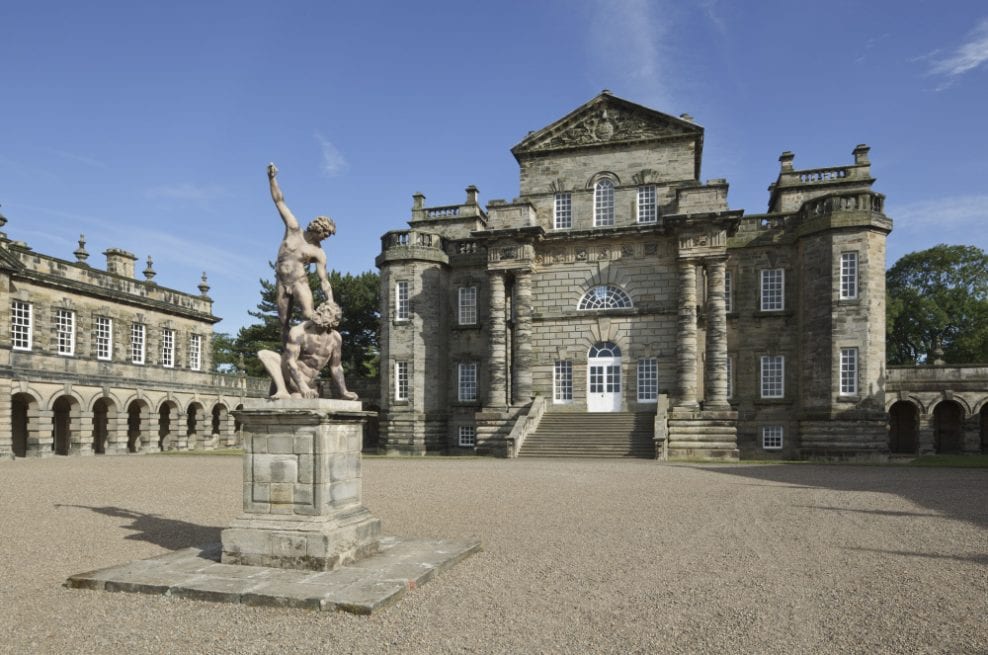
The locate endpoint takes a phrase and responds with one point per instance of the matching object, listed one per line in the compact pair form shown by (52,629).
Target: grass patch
(952,461)
(219,452)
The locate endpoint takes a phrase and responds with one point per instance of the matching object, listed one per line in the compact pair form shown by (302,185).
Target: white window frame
(466,436)
(648,380)
(772,437)
(728,292)
(604,296)
(562,382)
(21,325)
(65,332)
(773,289)
(401,380)
(603,203)
(849,371)
(402,305)
(562,211)
(195,352)
(648,208)
(467,306)
(849,275)
(168,347)
(138,343)
(103,338)
(466,382)
(773,376)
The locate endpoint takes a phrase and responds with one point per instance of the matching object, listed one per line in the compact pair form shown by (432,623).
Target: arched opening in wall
(948,427)
(193,420)
(984,429)
(63,409)
(101,425)
(237,425)
(21,405)
(216,425)
(137,413)
(165,436)
(903,428)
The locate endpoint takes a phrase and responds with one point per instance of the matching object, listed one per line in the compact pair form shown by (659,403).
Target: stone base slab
(372,584)
(703,434)
(310,543)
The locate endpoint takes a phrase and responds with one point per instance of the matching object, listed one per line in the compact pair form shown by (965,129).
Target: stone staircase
(578,434)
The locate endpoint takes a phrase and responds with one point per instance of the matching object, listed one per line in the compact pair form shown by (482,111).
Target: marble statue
(298,249)
(311,345)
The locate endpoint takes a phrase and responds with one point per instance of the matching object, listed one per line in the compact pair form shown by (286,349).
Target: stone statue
(298,249)
(311,345)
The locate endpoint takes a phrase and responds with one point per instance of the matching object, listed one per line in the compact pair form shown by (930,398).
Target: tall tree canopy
(938,298)
(358,295)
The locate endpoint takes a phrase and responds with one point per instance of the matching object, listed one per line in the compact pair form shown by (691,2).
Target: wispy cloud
(923,224)
(333,162)
(711,9)
(188,192)
(628,45)
(971,54)
(82,159)
(197,254)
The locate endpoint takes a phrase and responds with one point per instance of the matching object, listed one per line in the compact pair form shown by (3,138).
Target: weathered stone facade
(98,362)
(618,281)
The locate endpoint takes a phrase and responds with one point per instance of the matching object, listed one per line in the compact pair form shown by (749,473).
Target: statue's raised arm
(298,249)
(291,223)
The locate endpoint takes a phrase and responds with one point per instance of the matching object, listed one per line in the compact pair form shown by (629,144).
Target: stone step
(575,434)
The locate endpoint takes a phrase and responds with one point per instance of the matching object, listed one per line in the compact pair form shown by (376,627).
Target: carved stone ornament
(604,124)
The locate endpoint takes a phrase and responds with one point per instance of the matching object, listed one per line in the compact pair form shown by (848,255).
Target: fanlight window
(604,349)
(605,297)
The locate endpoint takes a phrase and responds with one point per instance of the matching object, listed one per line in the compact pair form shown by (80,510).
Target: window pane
(467,436)
(20,325)
(773,373)
(65,331)
(648,380)
(772,290)
(772,437)
(401,380)
(168,348)
(562,382)
(137,342)
(563,211)
(849,371)
(849,275)
(605,297)
(103,337)
(467,382)
(604,203)
(647,211)
(401,300)
(468,306)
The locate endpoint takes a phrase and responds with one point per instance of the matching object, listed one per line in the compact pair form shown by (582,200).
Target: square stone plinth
(302,487)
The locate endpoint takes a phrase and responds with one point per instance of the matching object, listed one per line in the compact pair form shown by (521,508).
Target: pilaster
(522,374)
(497,392)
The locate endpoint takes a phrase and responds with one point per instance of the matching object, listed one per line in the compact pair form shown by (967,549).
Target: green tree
(938,298)
(359,297)
(224,353)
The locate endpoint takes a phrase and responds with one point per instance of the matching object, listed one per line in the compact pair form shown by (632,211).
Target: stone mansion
(620,289)
(98,362)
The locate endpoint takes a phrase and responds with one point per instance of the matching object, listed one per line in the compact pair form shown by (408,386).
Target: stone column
(83,433)
(40,438)
(716,365)
(522,374)
(686,337)
(497,393)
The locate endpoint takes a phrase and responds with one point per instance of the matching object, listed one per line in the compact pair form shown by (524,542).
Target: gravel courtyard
(579,557)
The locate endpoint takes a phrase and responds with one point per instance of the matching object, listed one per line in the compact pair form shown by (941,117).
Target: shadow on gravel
(960,494)
(158,530)
(976,558)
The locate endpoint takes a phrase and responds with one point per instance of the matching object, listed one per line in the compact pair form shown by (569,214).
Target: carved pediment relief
(603,120)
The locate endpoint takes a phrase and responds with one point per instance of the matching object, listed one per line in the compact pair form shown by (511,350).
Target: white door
(604,378)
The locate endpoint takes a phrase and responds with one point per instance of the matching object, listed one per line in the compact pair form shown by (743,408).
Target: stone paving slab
(361,588)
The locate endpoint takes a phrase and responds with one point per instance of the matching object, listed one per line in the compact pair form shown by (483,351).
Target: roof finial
(149,272)
(81,254)
(203,286)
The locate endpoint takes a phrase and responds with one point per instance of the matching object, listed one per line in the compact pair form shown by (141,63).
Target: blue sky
(148,126)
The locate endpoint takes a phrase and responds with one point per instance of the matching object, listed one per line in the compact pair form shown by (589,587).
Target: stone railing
(407,238)
(822,174)
(859,201)
(449,211)
(525,425)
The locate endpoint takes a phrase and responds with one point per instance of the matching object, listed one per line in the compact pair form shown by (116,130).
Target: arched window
(603,202)
(605,297)
(604,349)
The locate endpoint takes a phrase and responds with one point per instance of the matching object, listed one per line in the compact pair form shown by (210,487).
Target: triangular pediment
(606,120)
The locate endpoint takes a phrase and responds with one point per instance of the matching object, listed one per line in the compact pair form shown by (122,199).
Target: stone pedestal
(302,491)
(703,434)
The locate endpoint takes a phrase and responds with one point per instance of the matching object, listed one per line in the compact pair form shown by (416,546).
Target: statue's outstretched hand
(272,170)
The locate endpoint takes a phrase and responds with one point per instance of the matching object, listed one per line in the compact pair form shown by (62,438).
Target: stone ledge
(363,588)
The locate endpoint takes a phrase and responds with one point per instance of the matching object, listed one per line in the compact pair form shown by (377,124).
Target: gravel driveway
(580,557)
